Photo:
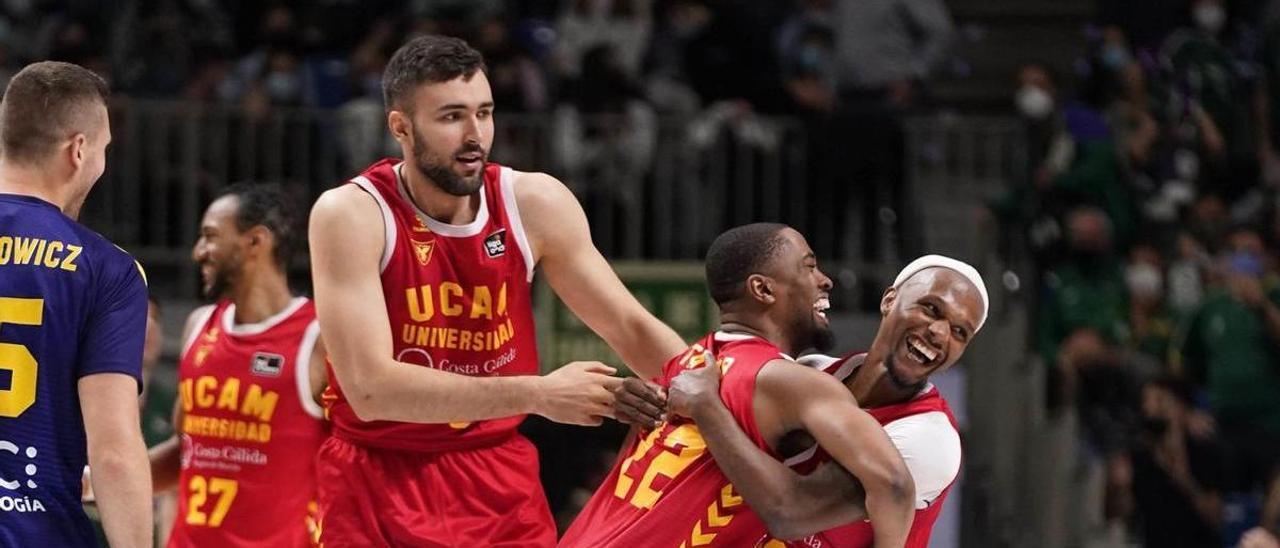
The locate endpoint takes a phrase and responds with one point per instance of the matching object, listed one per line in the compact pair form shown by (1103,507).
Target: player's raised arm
(807,399)
(561,241)
(791,505)
(346,245)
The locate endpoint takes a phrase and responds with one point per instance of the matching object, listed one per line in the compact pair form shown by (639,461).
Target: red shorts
(385,497)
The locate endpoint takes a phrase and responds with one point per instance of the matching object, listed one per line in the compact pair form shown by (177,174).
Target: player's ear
(886,301)
(760,288)
(76,151)
(260,237)
(400,125)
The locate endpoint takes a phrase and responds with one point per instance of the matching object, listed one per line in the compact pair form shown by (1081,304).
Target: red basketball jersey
(861,534)
(250,432)
(668,490)
(458,300)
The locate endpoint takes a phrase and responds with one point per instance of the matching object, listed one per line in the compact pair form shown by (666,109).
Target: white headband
(970,273)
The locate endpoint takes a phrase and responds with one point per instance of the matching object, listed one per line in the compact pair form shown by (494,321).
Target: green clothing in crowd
(1227,349)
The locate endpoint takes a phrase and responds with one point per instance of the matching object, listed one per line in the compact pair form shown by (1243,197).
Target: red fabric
(453,305)
(248,445)
(375,497)
(861,534)
(667,490)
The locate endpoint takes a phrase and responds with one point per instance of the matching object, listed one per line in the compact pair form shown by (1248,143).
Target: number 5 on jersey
(16,358)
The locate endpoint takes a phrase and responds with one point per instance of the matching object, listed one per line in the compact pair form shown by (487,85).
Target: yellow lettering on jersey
(481,303)
(424,310)
(184,389)
(37,258)
(447,306)
(54,247)
(204,385)
(69,262)
(24,249)
(257,403)
(38,252)
(502,300)
(453,338)
(230,394)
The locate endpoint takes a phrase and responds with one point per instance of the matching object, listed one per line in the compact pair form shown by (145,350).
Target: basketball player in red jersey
(247,420)
(668,490)
(422,272)
(930,315)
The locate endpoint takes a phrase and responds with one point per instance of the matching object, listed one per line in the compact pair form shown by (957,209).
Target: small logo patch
(422,250)
(266,365)
(495,245)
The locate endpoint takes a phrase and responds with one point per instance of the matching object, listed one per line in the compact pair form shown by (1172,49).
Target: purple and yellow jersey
(71,304)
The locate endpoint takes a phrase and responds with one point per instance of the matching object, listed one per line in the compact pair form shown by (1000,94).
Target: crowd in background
(1151,210)
(1152,218)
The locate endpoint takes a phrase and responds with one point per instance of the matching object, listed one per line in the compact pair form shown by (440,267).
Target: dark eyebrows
(459,106)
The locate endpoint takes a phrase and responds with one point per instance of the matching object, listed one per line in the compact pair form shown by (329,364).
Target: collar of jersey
(442,228)
(231,327)
(730,337)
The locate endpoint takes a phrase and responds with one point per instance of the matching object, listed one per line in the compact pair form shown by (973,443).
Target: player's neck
(871,386)
(435,202)
(264,294)
(32,180)
(759,327)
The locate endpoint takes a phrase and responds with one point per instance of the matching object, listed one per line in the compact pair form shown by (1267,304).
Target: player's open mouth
(470,160)
(820,307)
(920,351)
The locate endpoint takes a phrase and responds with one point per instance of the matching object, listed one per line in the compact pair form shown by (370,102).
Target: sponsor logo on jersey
(266,364)
(495,245)
(422,250)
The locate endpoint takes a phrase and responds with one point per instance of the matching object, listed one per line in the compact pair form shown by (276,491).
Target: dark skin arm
(791,505)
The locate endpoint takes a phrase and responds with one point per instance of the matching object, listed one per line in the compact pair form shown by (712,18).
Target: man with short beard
(668,490)
(422,270)
(929,316)
(247,424)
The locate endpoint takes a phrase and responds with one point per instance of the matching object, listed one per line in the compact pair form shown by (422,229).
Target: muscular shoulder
(539,194)
(346,202)
(785,379)
(551,213)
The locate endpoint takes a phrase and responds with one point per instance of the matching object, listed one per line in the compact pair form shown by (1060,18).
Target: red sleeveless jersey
(861,534)
(668,490)
(458,300)
(250,432)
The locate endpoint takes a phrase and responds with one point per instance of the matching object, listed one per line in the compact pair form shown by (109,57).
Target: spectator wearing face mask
(1231,350)
(1205,74)
(1151,325)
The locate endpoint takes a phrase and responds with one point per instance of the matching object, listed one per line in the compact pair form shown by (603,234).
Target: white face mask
(1034,103)
(1209,17)
(1144,280)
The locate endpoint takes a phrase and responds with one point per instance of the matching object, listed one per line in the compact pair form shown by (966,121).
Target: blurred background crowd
(1134,227)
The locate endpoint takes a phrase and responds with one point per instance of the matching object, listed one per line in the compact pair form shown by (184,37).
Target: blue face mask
(1116,58)
(813,59)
